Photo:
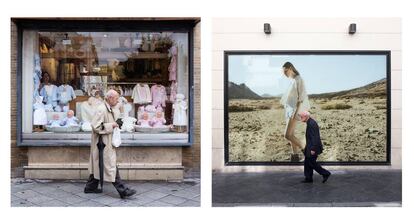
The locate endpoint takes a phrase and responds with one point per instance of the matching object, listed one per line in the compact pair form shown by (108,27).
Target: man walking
(103,124)
(312,149)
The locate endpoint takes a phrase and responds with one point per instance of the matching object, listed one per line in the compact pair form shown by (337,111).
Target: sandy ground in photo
(352,129)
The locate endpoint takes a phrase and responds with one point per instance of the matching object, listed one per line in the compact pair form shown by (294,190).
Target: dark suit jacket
(313,139)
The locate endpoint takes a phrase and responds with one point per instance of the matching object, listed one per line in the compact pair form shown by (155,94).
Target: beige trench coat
(102,124)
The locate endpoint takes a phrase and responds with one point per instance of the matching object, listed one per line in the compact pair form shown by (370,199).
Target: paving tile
(49,193)
(158,204)
(106,200)
(175,200)
(143,200)
(73,199)
(189,203)
(22,203)
(153,195)
(25,194)
(349,188)
(54,203)
(39,199)
(88,203)
(186,194)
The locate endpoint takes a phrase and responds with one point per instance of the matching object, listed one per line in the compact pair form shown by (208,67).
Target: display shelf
(105,55)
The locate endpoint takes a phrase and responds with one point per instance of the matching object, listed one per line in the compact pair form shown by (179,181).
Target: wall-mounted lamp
(352,29)
(267,28)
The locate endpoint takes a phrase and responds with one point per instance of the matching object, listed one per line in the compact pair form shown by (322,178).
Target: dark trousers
(93,183)
(310,165)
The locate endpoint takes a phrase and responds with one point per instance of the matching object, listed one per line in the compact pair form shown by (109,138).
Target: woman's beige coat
(102,124)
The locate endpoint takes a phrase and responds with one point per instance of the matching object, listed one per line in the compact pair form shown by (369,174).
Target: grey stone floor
(52,193)
(344,188)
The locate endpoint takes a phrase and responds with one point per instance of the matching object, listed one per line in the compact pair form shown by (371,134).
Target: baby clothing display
(144,121)
(128,124)
(88,108)
(173,64)
(158,120)
(70,120)
(180,111)
(173,91)
(141,94)
(86,126)
(49,93)
(37,76)
(159,95)
(65,94)
(39,114)
(150,108)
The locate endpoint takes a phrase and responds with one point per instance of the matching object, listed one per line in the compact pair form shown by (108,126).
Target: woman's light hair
(111,93)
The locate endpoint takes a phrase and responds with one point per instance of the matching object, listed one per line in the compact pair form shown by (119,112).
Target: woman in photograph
(295,101)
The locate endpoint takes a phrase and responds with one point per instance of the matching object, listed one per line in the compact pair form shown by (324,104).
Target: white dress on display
(39,114)
(180,111)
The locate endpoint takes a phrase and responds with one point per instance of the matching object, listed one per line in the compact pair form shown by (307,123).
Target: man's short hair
(304,114)
(111,93)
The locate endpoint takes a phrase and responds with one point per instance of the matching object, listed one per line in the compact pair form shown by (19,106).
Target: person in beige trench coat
(103,124)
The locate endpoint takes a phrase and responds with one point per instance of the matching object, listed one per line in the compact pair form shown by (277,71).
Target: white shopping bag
(116,137)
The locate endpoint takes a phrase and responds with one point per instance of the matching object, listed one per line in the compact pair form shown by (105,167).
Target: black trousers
(119,185)
(310,165)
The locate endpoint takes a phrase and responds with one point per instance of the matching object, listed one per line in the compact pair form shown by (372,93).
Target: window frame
(227,53)
(105,25)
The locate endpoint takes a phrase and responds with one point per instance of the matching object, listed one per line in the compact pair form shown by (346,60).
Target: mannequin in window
(49,92)
(65,95)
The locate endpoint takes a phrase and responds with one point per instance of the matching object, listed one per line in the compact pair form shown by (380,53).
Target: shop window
(65,76)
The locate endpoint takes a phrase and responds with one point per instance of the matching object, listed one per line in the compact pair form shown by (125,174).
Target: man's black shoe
(325,178)
(306,181)
(87,190)
(127,193)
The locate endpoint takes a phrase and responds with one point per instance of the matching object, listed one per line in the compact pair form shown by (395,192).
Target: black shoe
(127,193)
(306,181)
(325,178)
(87,190)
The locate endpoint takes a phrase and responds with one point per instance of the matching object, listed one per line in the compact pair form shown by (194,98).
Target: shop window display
(72,71)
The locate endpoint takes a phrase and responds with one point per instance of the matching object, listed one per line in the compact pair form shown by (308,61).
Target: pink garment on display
(173,64)
(144,123)
(158,121)
(173,92)
(159,95)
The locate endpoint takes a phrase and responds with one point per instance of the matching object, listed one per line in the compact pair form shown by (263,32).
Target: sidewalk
(51,193)
(343,189)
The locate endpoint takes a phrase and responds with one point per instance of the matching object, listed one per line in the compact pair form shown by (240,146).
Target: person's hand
(115,125)
(312,152)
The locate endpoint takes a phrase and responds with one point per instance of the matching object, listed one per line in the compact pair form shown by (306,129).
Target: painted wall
(303,34)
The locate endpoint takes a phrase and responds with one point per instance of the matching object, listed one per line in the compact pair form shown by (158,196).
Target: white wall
(303,34)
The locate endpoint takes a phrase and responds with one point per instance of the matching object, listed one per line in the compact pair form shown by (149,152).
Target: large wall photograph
(346,92)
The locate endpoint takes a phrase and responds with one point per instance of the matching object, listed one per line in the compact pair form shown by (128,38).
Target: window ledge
(84,139)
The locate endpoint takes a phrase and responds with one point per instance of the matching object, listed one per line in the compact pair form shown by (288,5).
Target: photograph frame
(227,53)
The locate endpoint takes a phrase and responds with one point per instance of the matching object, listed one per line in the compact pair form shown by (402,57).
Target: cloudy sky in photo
(321,73)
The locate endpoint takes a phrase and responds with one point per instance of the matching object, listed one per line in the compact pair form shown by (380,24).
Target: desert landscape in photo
(353,124)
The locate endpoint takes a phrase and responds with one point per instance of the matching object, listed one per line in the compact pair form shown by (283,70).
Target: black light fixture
(352,28)
(267,28)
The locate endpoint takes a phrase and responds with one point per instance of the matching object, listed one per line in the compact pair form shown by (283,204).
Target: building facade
(91,56)
(305,35)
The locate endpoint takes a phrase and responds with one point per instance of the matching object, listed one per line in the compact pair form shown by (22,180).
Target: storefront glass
(65,76)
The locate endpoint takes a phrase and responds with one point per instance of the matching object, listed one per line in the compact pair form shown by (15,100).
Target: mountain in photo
(374,89)
(241,91)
